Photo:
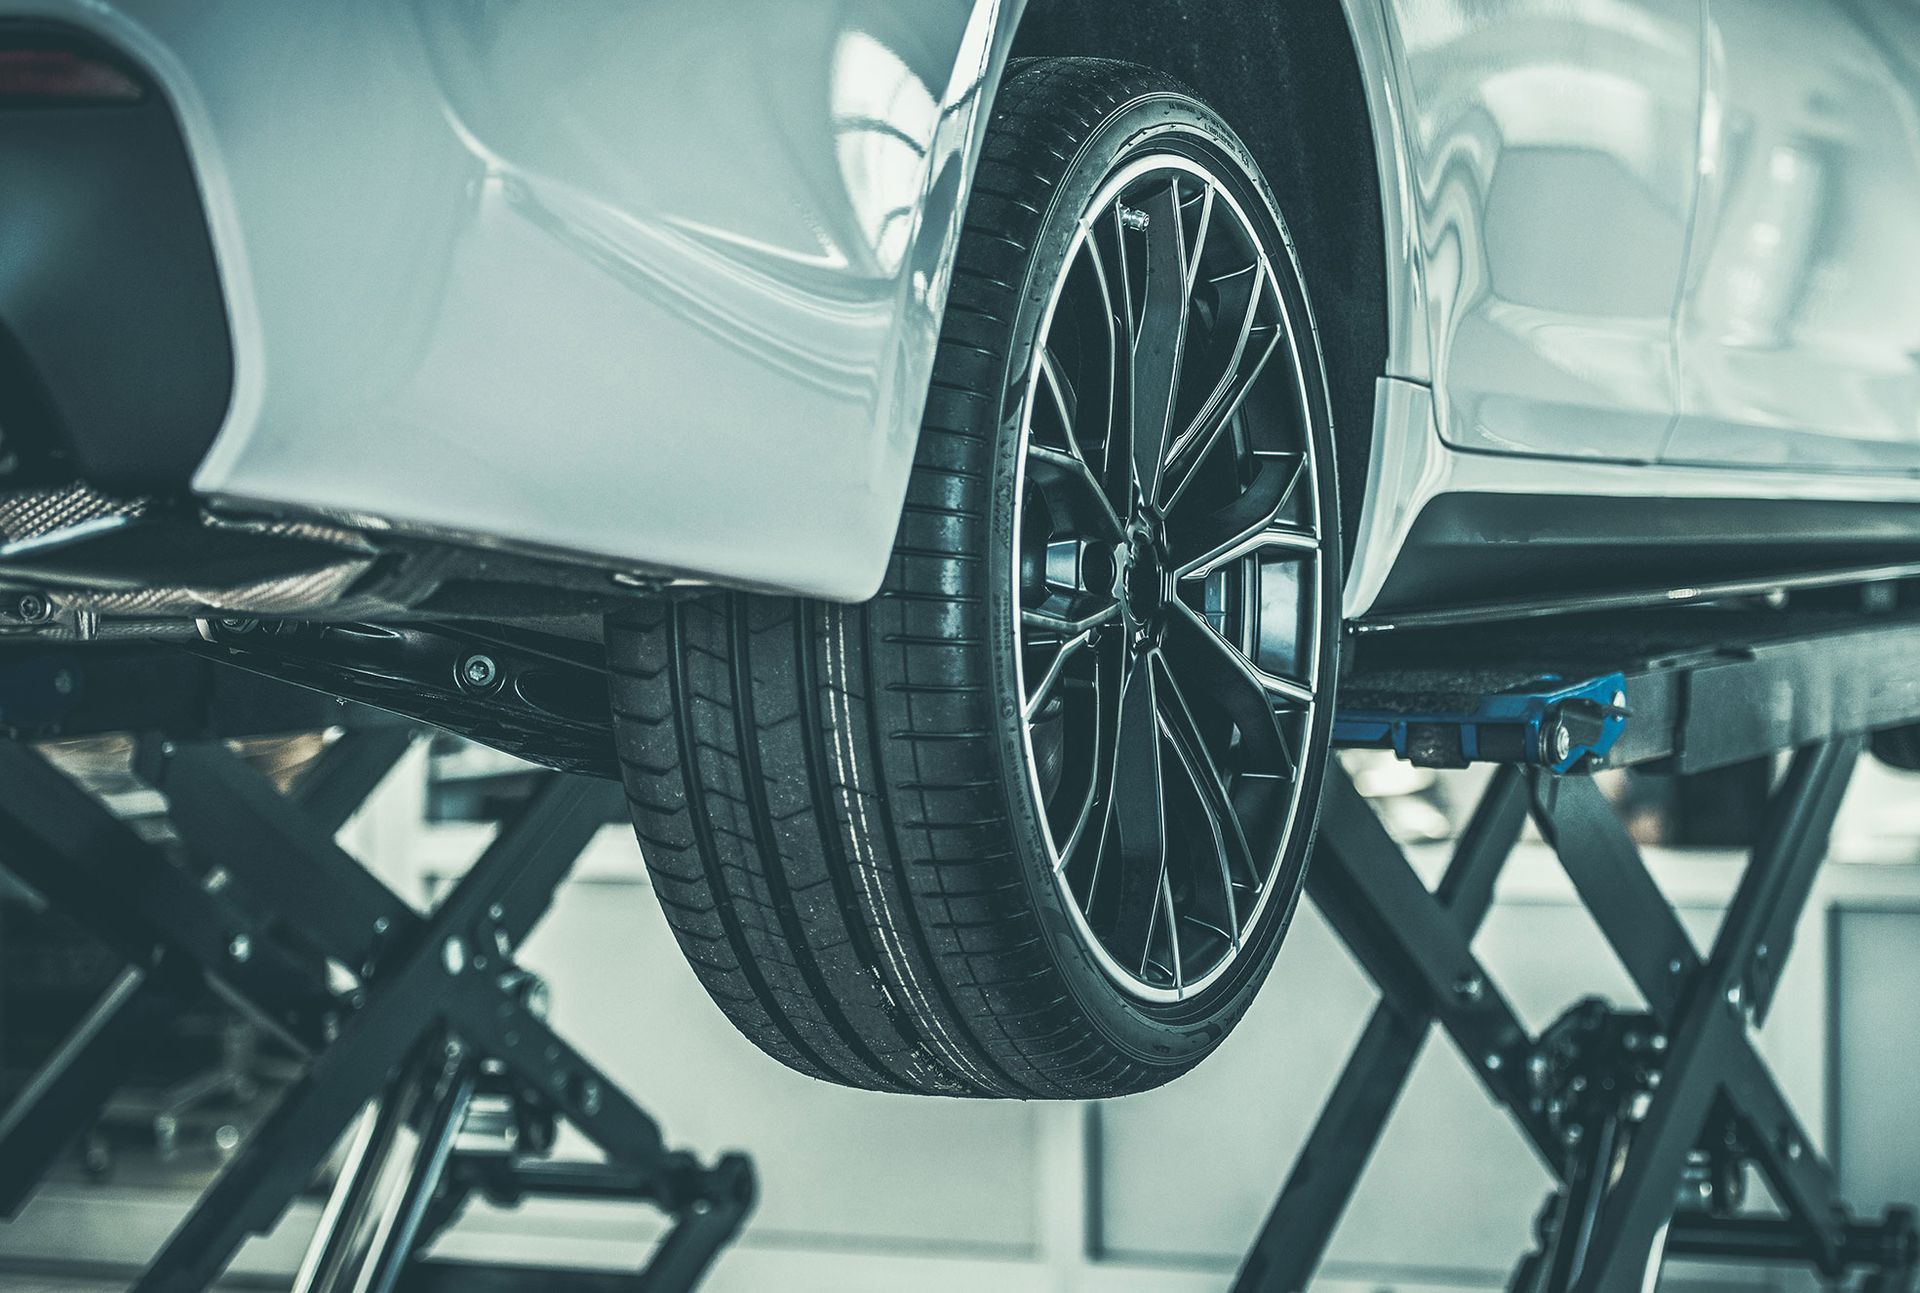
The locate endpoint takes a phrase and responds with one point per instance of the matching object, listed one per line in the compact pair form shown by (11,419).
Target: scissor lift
(435,1055)
(426,1044)
(1648,1119)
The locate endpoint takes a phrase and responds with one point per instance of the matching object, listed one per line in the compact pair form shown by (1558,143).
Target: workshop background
(1157,1192)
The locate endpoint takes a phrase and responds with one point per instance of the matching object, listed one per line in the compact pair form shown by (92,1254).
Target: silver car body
(659,285)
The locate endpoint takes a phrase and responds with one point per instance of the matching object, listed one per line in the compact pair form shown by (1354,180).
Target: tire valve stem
(1134,218)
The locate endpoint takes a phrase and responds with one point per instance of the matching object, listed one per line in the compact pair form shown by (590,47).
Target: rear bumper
(116,360)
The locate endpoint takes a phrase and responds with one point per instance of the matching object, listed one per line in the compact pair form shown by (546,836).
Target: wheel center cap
(1145,585)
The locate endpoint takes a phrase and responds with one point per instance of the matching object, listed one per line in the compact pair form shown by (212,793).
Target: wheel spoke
(1279,538)
(1200,239)
(1159,340)
(1065,652)
(1171,919)
(1114,311)
(1251,348)
(1204,542)
(1065,627)
(1066,405)
(1230,837)
(1134,853)
(1283,690)
(1086,504)
(1215,671)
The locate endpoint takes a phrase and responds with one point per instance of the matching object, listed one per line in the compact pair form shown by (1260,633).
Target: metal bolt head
(589,1094)
(453,955)
(479,671)
(240,948)
(34,608)
(63,682)
(1562,742)
(1736,999)
(1495,1062)
(538,999)
(1469,987)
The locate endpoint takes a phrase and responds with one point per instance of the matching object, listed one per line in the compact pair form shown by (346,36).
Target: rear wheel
(1033,821)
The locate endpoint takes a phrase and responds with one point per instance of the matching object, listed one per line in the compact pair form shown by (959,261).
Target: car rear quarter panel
(658,284)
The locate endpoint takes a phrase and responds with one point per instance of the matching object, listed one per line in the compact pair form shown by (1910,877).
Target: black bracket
(412,1023)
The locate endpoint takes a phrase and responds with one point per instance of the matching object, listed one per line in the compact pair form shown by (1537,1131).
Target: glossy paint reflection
(1553,145)
(626,286)
(1800,332)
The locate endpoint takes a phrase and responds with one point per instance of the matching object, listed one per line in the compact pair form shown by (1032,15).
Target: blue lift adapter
(1546,723)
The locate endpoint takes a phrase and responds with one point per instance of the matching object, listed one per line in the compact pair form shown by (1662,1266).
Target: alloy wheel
(1168,532)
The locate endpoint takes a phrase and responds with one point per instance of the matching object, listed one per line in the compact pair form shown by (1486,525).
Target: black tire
(834,801)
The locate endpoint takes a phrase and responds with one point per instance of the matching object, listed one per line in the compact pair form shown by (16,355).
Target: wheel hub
(1145,584)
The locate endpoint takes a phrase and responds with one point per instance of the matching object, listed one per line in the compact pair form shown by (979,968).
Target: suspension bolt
(478,672)
(34,608)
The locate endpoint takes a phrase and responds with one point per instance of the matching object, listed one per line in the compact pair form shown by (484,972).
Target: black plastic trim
(1485,548)
(116,360)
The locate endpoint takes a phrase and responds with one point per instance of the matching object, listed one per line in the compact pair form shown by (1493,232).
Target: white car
(962,432)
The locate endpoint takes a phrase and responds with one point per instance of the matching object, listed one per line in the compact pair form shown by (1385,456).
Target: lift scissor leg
(274,914)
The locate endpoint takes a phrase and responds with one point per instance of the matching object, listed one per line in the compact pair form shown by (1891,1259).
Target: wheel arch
(1310,87)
